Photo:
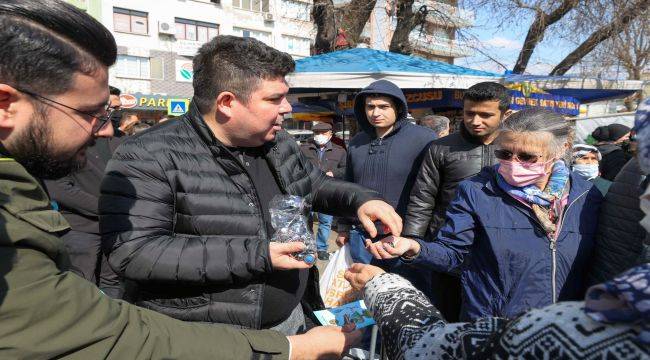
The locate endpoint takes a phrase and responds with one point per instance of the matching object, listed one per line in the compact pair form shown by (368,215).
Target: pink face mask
(521,174)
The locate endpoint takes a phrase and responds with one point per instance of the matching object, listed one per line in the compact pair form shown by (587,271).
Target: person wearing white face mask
(523,230)
(331,159)
(585,163)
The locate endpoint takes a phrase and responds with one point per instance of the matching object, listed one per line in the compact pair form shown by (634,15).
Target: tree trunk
(536,32)
(354,17)
(323,14)
(407,20)
(600,35)
(328,19)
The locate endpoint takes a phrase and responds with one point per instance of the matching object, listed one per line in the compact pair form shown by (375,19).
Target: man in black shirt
(185,205)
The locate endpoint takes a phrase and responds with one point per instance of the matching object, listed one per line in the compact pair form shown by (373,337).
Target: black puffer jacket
(620,237)
(448,161)
(182,220)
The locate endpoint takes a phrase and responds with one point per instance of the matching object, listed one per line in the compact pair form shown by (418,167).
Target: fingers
(289,263)
(392,221)
(357,267)
(341,240)
(371,248)
(288,248)
(368,225)
(352,338)
(382,252)
(394,251)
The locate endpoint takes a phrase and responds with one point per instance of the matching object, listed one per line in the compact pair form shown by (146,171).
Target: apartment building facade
(435,40)
(157,40)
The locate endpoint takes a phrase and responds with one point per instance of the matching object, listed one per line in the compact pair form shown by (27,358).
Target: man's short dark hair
(489,91)
(114,91)
(44,42)
(234,64)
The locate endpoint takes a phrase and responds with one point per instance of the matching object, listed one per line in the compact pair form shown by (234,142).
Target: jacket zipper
(553,244)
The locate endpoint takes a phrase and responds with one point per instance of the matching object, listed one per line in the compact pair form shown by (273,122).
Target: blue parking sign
(177,107)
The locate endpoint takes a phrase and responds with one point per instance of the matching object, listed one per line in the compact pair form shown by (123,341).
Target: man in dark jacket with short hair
(449,161)
(185,205)
(329,158)
(384,156)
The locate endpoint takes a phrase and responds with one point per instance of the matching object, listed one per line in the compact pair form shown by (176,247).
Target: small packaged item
(290,224)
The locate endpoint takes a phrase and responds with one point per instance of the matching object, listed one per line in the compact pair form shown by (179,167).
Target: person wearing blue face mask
(585,161)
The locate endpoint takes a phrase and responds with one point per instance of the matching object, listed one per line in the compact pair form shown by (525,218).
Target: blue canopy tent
(354,69)
(426,83)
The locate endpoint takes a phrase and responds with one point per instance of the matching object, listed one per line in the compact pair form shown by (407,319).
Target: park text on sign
(139,101)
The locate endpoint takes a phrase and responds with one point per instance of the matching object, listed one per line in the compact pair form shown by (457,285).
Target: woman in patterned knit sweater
(612,323)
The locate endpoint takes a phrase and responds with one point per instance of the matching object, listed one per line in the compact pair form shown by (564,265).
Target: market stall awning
(357,68)
(585,90)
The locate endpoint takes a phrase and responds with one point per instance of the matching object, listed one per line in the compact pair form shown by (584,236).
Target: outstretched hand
(358,275)
(392,246)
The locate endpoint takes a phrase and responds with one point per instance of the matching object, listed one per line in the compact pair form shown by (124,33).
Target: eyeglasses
(102,120)
(502,154)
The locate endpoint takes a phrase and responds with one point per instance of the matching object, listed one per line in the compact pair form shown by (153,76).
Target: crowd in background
(508,238)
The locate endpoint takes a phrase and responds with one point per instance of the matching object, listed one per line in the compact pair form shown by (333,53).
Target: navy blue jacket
(387,165)
(504,254)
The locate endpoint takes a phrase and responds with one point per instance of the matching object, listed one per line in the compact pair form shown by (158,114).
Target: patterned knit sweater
(412,328)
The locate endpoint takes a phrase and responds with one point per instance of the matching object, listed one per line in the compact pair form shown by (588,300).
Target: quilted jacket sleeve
(137,215)
(423,196)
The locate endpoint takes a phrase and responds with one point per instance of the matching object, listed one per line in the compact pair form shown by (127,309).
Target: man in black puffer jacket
(620,237)
(449,161)
(185,205)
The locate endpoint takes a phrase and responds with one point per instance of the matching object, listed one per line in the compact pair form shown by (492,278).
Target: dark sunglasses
(521,157)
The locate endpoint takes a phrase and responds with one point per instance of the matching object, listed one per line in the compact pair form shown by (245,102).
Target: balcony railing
(445,14)
(439,46)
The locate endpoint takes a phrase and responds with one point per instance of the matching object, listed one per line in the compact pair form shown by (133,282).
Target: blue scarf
(626,299)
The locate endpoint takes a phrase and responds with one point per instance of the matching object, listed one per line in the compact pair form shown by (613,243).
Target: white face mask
(321,139)
(586,171)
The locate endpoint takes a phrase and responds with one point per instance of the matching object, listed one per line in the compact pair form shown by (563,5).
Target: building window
(137,67)
(252,5)
(296,45)
(296,10)
(262,36)
(130,21)
(195,30)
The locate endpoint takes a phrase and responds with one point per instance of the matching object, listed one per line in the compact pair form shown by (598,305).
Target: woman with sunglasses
(520,232)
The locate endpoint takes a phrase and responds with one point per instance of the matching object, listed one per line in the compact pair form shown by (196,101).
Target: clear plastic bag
(290,224)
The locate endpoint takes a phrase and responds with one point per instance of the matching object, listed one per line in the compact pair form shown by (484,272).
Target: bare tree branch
(537,29)
(601,34)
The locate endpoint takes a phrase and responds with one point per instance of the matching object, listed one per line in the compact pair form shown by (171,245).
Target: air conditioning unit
(166,28)
(268,16)
(216,1)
